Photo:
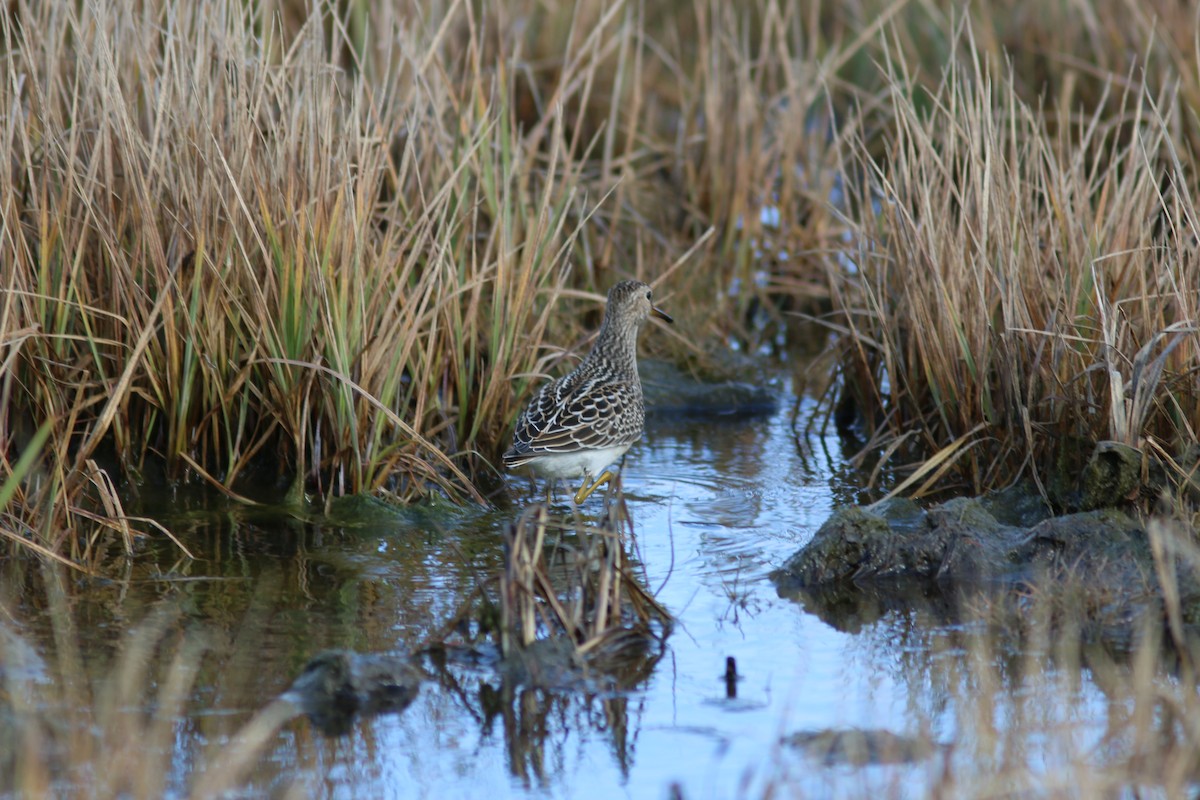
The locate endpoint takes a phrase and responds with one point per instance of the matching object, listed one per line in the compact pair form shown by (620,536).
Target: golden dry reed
(1026,282)
(326,246)
(575,581)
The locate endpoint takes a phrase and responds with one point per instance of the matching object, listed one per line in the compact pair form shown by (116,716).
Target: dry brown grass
(76,731)
(1030,705)
(324,250)
(569,579)
(1021,295)
(569,603)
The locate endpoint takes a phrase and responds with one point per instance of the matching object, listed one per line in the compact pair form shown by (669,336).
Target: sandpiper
(584,422)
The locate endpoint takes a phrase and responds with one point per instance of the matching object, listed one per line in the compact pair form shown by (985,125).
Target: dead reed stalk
(569,579)
(1033,292)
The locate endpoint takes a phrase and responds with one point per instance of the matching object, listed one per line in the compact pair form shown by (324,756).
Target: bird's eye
(647,295)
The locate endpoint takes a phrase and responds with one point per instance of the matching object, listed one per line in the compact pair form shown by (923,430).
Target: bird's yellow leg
(585,491)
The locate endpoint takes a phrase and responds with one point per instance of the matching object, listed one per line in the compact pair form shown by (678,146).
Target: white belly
(575,465)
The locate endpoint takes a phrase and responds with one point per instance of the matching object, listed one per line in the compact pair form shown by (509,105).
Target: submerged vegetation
(328,250)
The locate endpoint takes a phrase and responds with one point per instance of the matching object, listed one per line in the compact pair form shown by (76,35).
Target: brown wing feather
(566,416)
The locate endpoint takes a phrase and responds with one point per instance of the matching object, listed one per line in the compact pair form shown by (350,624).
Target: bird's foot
(585,491)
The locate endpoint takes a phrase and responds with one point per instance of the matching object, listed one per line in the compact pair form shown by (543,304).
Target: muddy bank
(1099,564)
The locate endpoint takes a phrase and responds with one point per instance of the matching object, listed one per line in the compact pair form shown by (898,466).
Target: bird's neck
(616,345)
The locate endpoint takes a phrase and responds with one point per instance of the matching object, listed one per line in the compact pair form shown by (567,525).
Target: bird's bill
(655,311)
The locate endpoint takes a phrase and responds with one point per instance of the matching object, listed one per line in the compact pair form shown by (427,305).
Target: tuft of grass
(568,600)
(319,251)
(1029,291)
(580,588)
(308,250)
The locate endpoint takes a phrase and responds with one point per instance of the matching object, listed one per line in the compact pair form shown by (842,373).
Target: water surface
(717,503)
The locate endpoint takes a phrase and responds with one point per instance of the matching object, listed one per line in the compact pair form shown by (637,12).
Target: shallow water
(717,504)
